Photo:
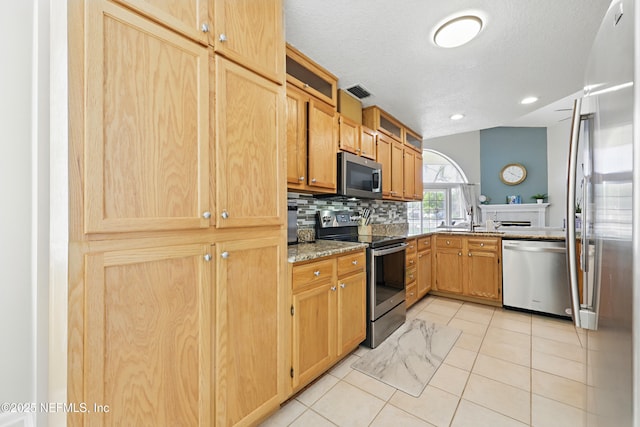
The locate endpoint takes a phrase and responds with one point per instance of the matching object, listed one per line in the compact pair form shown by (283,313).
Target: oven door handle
(387,251)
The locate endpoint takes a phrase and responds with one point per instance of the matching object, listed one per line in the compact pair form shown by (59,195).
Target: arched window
(443,203)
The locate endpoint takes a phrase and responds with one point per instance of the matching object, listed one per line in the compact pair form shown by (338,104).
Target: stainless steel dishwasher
(534,276)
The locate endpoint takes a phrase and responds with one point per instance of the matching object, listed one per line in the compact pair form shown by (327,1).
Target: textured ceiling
(526,47)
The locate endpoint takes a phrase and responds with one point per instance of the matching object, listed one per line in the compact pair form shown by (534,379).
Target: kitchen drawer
(411,260)
(315,272)
(351,263)
(412,246)
(449,242)
(411,296)
(483,244)
(410,275)
(424,243)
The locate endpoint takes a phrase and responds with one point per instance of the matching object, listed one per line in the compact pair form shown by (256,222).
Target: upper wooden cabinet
(312,143)
(307,75)
(188,17)
(249,148)
(367,143)
(418,185)
(146,146)
(397,171)
(251,33)
(378,119)
(413,140)
(409,190)
(383,156)
(349,139)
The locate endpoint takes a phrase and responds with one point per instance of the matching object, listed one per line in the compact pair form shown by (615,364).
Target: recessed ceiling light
(529,100)
(457,31)
(457,116)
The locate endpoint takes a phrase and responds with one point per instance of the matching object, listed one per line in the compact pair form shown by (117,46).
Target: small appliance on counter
(292,224)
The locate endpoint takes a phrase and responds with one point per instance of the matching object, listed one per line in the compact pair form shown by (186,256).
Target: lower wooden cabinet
(469,267)
(328,313)
(147,350)
(249,325)
(423,271)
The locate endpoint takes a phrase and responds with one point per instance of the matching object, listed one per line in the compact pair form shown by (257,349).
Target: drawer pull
(411,262)
(448,242)
(342,285)
(316,273)
(333,289)
(481,244)
(354,262)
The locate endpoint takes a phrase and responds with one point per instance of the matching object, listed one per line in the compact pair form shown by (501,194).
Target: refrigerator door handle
(570,213)
(582,318)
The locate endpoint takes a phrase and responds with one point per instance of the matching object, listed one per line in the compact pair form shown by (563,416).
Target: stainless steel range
(386,308)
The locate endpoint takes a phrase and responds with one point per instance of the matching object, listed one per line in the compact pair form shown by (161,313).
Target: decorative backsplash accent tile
(382,211)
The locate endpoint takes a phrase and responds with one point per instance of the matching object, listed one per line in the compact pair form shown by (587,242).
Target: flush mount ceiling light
(457,31)
(529,100)
(457,116)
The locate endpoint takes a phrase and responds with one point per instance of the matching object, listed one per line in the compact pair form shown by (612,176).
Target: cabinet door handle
(224,214)
(333,288)
(313,180)
(448,242)
(206,215)
(481,245)
(222,37)
(225,254)
(469,254)
(459,253)
(354,262)
(207,257)
(301,178)
(411,262)
(342,285)
(205,28)
(316,273)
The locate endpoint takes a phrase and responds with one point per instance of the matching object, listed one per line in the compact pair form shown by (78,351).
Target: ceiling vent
(358,91)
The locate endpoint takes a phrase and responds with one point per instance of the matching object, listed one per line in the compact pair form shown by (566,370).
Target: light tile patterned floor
(506,369)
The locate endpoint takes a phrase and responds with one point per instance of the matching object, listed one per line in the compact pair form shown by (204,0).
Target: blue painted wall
(504,145)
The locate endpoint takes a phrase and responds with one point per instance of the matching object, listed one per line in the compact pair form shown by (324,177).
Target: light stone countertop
(320,248)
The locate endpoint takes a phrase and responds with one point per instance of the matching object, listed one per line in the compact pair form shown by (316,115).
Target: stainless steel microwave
(359,177)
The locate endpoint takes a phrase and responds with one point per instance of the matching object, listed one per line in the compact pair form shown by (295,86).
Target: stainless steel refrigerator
(608,191)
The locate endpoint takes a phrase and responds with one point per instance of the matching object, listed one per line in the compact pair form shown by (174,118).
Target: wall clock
(513,174)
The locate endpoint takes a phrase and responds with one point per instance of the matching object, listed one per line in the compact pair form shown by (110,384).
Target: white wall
(463,148)
(557,158)
(24,213)
(16,293)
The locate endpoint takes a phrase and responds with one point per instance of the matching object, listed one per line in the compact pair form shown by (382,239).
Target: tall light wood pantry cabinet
(178,300)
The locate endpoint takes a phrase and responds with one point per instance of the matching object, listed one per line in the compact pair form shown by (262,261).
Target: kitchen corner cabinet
(147,351)
(250,113)
(251,33)
(249,319)
(469,267)
(145,151)
(377,119)
(311,154)
(423,268)
(328,313)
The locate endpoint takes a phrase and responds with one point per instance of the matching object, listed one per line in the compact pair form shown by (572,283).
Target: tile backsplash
(382,211)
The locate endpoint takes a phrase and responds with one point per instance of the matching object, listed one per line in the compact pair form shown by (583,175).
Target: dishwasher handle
(523,248)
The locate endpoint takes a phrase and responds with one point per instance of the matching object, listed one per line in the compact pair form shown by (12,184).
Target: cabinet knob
(411,262)
(448,242)
(313,180)
(225,254)
(469,254)
(354,262)
(364,152)
(301,178)
(316,273)
(224,214)
(207,257)
(306,85)
(205,28)
(411,276)
(342,285)
(206,214)
(481,245)
(222,38)
(459,253)
(333,288)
